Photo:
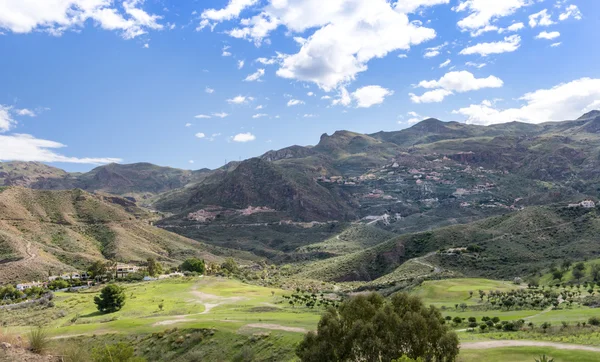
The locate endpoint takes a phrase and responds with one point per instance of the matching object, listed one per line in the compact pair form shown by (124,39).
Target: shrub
(111,299)
(38,340)
(594,321)
(75,352)
(119,352)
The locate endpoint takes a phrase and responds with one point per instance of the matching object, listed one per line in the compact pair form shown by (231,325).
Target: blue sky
(86,82)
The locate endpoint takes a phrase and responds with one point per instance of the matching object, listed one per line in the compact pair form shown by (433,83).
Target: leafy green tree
(193,265)
(595,272)
(119,352)
(154,267)
(111,299)
(58,284)
(578,273)
(97,270)
(579,266)
(371,329)
(230,266)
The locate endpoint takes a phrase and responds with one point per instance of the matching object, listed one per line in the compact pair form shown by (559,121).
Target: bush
(120,352)
(38,340)
(594,321)
(75,352)
(111,299)
(58,284)
(371,328)
(193,265)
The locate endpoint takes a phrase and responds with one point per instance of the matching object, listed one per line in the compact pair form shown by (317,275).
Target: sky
(195,84)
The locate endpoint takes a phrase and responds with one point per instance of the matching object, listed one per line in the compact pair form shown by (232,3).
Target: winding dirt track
(503,344)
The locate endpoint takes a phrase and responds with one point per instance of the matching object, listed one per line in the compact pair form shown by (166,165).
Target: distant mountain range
(432,175)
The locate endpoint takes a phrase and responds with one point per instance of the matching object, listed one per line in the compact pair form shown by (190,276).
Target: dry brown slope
(63,231)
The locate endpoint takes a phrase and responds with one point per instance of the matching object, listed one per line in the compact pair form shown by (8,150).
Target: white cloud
(549,36)
(310,94)
(562,102)
(57,16)
(434,96)
(516,27)
(475,65)
(326,97)
(554,45)
(146,46)
(540,19)
(410,6)
(200,135)
(220,115)
(24,147)
(260,115)
(370,95)
(294,102)
(509,44)
(241,64)
(402,56)
(434,51)
(188,124)
(25,112)
(6,120)
(244,137)
(572,11)
(202,116)
(254,77)
(349,33)
(209,90)
(240,100)
(260,106)
(266,61)
(344,98)
(445,64)
(309,115)
(226,52)
(483,12)
(211,17)
(191,161)
(460,82)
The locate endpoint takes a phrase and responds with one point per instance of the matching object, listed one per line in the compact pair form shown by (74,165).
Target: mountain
(63,231)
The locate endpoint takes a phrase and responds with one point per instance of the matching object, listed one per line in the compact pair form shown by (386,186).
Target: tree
(193,265)
(230,266)
(579,266)
(566,265)
(111,299)
(154,267)
(595,272)
(371,328)
(58,284)
(578,273)
(97,269)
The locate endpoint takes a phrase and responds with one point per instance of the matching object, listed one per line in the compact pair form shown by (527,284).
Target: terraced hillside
(45,232)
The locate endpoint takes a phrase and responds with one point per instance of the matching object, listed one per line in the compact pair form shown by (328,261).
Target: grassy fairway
(455,291)
(526,354)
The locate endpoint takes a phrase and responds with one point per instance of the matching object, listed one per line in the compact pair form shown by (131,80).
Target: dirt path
(420,260)
(540,313)
(503,344)
(30,255)
(275,327)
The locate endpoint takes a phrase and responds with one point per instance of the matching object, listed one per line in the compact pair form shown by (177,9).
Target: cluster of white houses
(119,271)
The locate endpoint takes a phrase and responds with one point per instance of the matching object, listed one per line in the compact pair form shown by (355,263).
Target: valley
(480,222)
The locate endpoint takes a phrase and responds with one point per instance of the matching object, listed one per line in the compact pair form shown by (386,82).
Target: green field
(204,316)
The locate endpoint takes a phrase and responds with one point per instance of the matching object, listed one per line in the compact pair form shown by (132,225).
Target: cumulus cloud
(240,100)
(434,51)
(256,76)
(6,120)
(509,44)
(540,19)
(24,147)
(226,52)
(347,35)
(243,137)
(241,64)
(547,35)
(188,124)
(483,12)
(460,82)
(220,115)
(267,61)
(572,11)
(562,102)
(260,115)
(200,135)
(57,16)
(209,90)
(25,112)
(370,95)
(475,65)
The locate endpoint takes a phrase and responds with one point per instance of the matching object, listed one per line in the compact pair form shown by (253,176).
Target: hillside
(503,247)
(62,231)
